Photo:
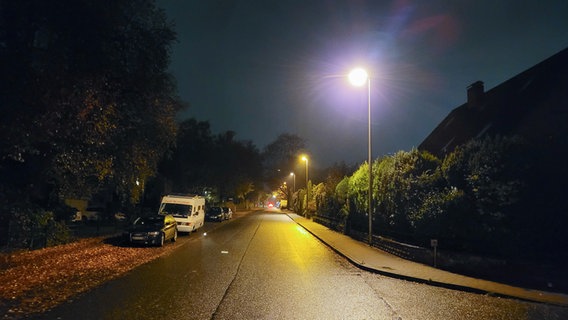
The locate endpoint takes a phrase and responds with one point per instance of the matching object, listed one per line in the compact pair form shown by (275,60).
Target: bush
(31,227)
(496,196)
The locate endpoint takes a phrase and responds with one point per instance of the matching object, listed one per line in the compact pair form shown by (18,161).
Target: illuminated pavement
(373,259)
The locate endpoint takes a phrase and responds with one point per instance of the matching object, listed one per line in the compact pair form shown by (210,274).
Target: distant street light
(305,158)
(358,77)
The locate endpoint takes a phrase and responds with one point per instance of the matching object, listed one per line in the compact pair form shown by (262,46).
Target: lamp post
(358,77)
(305,158)
(294,176)
(141,195)
(291,195)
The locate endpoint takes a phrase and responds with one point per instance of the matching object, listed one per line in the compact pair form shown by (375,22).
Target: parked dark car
(215,214)
(152,230)
(228,212)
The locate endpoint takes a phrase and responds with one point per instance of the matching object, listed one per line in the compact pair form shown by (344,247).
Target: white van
(187,210)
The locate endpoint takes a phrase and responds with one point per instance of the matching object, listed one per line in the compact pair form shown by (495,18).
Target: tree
(330,201)
(87,101)
(240,166)
(243,190)
(336,173)
(491,172)
(191,163)
(402,180)
(280,157)
(358,197)
(200,161)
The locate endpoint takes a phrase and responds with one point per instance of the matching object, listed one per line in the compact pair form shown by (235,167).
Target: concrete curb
(461,283)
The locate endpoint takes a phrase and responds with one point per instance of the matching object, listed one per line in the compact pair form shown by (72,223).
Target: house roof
(532,104)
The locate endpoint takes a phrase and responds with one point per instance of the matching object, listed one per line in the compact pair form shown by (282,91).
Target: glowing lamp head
(358,77)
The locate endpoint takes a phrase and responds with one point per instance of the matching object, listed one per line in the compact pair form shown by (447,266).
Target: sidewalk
(376,260)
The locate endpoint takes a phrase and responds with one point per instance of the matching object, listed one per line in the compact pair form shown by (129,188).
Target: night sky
(262,67)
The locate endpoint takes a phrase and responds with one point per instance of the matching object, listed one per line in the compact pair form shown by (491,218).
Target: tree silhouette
(87,101)
(280,158)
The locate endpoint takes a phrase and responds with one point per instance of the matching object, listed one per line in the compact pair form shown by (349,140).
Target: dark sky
(263,67)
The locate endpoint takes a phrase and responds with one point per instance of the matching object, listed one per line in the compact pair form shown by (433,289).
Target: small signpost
(434,244)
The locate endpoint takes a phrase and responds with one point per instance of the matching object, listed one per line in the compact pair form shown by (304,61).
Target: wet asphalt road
(264,266)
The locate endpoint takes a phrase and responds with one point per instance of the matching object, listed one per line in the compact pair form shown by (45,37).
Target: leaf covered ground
(32,282)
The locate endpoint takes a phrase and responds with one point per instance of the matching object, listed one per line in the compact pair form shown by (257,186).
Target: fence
(445,259)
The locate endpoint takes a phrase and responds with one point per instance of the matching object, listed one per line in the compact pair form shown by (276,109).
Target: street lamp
(305,158)
(358,77)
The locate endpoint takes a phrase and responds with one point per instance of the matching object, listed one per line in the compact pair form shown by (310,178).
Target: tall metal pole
(305,158)
(370,195)
(357,77)
(307,184)
(293,175)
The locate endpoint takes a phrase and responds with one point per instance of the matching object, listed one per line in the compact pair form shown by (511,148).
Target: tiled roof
(533,104)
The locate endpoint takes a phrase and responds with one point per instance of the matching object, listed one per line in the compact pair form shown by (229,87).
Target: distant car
(215,214)
(228,213)
(92,214)
(152,230)
(119,216)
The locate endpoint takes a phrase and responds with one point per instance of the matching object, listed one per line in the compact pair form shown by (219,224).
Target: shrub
(31,227)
